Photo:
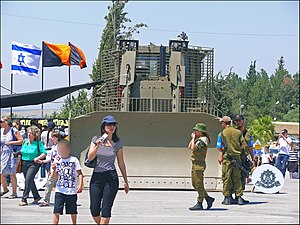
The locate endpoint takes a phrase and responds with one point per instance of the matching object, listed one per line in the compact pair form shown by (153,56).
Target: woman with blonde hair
(9,137)
(33,153)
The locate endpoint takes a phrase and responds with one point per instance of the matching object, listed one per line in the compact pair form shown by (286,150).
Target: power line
(53,20)
(159,30)
(236,34)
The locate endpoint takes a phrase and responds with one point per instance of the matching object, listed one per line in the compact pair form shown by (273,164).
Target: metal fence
(186,105)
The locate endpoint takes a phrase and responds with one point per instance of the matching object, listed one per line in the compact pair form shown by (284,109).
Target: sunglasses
(110,124)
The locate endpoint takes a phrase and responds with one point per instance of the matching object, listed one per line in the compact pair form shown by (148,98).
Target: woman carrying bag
(10,137)
(33,153)
(104,183)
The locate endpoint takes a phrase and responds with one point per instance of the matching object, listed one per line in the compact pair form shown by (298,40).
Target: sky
(239,32)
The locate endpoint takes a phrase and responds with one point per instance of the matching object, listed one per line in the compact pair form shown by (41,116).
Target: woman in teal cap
(198,145)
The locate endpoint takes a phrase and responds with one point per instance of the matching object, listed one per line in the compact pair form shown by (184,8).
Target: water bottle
(43,171)
(104,136)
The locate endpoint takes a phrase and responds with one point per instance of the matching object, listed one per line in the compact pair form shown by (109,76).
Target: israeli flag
(25,59)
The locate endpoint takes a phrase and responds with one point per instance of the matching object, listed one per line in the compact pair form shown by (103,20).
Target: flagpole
(42,76)
(11,92)
(70,107)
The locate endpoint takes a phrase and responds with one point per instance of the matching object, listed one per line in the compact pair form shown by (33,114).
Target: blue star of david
(21,58)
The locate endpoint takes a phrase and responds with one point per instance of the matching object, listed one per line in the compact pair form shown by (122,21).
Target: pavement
(150,206)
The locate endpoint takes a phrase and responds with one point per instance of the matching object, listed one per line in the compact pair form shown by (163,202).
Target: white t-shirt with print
(67,180)
(284,146)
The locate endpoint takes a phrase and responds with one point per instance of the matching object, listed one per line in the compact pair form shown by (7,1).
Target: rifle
(234,162)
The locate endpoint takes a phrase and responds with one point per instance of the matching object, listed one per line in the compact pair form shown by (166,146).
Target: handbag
(88,163)
(16,148)
(19,166)
(19,163)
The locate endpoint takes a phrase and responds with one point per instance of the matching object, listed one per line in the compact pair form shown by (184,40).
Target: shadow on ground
(217,209)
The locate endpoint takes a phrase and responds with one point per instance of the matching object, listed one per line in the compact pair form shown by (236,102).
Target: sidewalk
(170,207)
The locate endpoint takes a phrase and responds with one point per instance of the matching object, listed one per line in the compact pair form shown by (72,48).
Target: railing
(187,105)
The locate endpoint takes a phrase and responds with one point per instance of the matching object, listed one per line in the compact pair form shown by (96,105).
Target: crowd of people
(45,147)
(287,158)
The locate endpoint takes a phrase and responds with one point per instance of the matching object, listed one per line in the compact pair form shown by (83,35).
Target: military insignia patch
(267,179)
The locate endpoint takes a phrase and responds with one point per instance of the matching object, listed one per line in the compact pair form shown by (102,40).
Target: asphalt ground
(165,206)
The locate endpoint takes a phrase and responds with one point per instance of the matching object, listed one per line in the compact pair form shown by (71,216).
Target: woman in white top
(9,137)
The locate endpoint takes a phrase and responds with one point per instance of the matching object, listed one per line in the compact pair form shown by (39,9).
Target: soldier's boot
(198,206)
(209,201)
(240,200)
(233,200)
(245,201)
(227,200)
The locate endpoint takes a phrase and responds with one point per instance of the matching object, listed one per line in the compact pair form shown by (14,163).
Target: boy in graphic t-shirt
(66,168)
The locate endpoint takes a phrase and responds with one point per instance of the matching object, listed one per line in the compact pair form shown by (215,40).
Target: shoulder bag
(88,163)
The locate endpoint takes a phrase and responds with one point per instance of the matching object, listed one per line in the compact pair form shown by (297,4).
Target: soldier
(230,143)
(247,152)
(198,145)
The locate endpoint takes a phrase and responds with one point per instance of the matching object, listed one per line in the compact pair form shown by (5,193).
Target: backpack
(16,148)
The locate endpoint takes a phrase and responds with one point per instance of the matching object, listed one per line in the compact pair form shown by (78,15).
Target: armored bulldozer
(157,94)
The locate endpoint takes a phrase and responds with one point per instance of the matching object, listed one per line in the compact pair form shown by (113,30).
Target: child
(293,163)
(65,169)
(51,182)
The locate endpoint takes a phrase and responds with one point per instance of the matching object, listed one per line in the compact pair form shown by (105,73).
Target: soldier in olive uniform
(198,145)
(248,150)
(230,143)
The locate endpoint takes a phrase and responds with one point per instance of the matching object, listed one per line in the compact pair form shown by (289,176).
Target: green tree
(229,91)
(292,115)
(262,129)
(115,30)
(251,75)
(281,82)
(235,92)
(221,87)
(295,95)
(79,105)
(251,78)
(260,97)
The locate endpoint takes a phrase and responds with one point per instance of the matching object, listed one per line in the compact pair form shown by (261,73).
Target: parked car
(295,140)
(274,151)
